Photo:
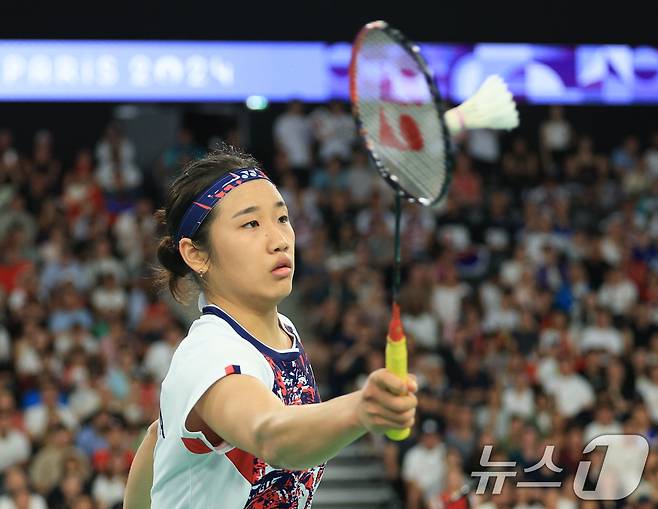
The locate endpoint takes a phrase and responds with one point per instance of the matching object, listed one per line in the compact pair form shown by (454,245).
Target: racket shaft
(396,363)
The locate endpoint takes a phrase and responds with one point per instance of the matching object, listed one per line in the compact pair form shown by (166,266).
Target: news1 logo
(618,468)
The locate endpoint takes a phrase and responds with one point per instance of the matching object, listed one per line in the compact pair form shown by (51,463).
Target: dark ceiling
(546,21)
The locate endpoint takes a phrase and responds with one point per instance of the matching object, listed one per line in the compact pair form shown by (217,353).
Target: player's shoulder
(207,333)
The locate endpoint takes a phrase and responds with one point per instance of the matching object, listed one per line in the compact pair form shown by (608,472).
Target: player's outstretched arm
(298,437)
(140,477)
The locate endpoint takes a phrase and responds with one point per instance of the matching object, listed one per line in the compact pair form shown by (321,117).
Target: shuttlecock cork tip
(395,332)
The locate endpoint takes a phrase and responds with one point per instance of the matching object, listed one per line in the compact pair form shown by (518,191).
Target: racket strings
(399,117)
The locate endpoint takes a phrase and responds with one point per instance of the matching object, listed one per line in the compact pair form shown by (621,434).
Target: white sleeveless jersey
(189,472)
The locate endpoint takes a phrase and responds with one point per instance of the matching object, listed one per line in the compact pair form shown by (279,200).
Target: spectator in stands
(80,188)
(43,173)
(335,131)
(625,157)
(70,310)
(555,139)
(329,179)
(109,299)
(48,465)
(601,335)
(293,136)
(651,155)
(13,263)
(466,185)
(158,357)
(362,178)
(71,488)
(424,466)
(15,445)
(18,492)
(16,217)
(420,322)
(109,486)
(447,298)
(519,398)
(618,293)
(115,435)
(8,154)
(175,157)
(604,423)
(483,146)
(573,394)
(520,167)
(114,140)
(48,412)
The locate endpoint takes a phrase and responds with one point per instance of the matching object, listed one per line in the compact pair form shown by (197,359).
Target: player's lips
(283,266)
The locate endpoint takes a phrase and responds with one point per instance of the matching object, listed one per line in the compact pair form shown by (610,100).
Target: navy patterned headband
(201,207)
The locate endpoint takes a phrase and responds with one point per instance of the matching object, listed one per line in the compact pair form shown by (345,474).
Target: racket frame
(413,50)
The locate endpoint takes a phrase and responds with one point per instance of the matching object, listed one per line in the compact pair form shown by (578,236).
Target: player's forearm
(140,477)
(304,436)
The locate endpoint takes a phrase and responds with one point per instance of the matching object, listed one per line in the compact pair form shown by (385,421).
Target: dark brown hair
(195,177)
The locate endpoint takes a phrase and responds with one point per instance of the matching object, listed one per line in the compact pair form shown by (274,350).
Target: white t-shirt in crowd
(424,328)
(107,174)
(362,183)
(595,429)
(651,159)
(572,394)
(649,392)
(158,358)
(109,299)
(501,319)
(602,338)
(335,133)
(189,471)
(108,490)
(104,151)
(447,302)
(293,134)
(511,272)
(518,403)
(36,419)
(483,145)
(556,134)
(426,467)
(619,298)
(611,251)
(14,448)
(36,502)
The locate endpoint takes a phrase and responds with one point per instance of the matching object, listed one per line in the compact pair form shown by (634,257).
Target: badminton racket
(399,115)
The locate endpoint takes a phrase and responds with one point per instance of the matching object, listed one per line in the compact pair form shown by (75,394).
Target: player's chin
(280,288)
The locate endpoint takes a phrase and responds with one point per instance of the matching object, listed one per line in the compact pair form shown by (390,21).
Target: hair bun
(170,257)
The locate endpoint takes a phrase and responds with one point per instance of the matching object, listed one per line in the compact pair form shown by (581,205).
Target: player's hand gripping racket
(398,111)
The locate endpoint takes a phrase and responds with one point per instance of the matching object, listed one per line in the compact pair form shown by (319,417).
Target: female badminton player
(241,423)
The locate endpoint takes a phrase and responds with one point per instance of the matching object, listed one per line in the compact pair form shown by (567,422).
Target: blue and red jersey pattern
(294,384)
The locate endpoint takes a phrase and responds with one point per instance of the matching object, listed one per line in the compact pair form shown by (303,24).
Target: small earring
(201,274)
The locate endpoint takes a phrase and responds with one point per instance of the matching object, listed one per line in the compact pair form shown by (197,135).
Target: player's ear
(196,258)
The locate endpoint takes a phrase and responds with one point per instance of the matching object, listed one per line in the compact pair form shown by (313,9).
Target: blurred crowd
(529,300)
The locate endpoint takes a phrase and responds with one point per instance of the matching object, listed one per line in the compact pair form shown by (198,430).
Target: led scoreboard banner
(167,71)
(160,71)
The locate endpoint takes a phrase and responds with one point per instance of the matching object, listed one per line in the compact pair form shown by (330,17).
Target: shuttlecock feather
(492,107)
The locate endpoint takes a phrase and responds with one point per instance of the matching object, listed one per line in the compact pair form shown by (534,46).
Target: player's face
(254,245)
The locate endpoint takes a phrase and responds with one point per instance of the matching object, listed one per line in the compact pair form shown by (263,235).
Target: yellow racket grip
(396,363)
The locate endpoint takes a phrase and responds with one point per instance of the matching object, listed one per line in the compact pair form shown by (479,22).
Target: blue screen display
(312,71)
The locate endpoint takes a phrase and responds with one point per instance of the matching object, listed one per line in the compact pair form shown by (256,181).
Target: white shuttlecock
(492,107)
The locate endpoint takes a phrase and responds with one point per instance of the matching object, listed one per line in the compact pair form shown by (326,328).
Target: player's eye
(251,224)
(284,219)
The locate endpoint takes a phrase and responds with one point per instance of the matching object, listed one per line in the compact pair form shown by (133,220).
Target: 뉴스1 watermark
(617,477)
